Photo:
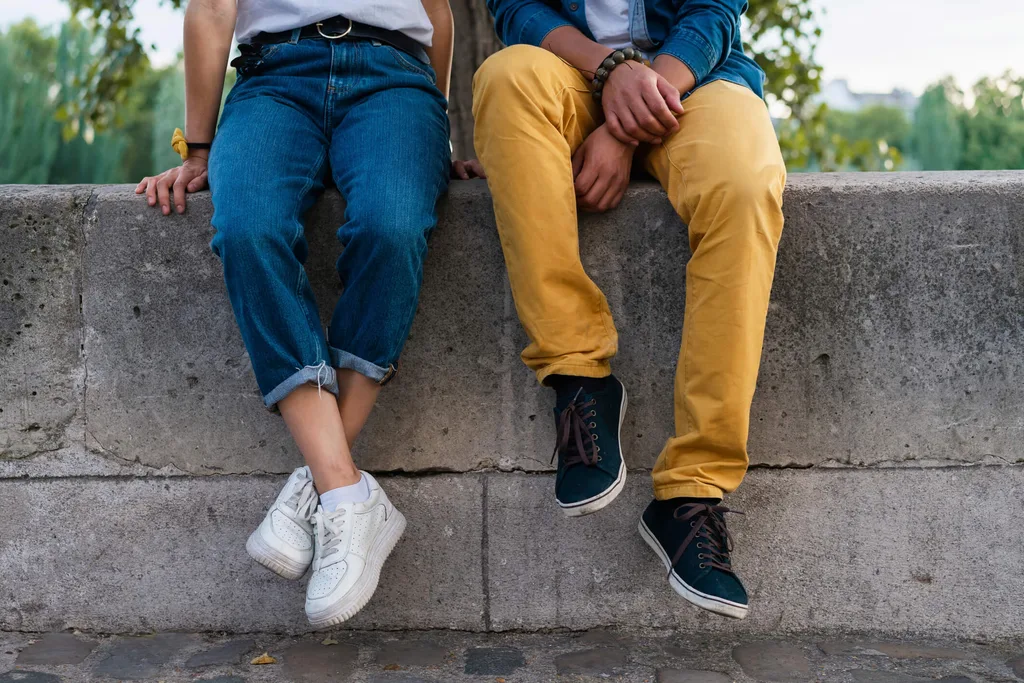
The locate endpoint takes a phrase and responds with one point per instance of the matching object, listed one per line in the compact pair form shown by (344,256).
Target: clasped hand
(640,105)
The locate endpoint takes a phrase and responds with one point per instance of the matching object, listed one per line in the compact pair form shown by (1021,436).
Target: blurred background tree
(938,140)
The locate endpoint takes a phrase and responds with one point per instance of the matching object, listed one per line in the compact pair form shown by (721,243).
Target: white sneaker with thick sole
(351,545)
(283,542)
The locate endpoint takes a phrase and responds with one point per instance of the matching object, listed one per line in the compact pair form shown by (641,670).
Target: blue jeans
(372,117)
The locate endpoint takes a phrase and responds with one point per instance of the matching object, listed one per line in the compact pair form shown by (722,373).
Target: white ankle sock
(353,493)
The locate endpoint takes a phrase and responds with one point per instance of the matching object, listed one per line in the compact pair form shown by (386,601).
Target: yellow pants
(724,175)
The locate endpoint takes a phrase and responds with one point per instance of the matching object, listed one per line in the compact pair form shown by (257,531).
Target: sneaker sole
(726,608)
(366,584)
(605,498)
(280,564)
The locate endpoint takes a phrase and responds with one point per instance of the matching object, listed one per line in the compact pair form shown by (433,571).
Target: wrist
(676,72)
(619,60)
(606,134)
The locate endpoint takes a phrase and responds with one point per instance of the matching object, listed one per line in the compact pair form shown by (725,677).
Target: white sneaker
(352,544)
(283,542)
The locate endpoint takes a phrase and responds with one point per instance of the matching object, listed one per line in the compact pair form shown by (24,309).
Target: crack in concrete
(393,474)
(485,554)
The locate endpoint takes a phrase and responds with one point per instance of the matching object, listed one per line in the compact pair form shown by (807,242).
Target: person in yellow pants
(586,89)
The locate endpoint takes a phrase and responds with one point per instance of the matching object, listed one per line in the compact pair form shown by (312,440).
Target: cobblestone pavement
(442,656)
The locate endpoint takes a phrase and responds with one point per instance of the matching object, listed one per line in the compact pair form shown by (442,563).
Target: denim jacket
(703,34)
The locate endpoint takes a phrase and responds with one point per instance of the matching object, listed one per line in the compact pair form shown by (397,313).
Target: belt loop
(296,33)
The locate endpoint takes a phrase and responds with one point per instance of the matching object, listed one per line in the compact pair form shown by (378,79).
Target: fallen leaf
(264,658)
(392,667)
(328,641)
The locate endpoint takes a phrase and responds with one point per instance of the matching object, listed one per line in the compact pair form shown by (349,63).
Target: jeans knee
(393,243)
(240,233)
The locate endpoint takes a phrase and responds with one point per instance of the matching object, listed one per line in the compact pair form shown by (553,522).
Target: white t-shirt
(407,16)
(608,20)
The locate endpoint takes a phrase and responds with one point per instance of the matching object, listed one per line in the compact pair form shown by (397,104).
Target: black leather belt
(340,28)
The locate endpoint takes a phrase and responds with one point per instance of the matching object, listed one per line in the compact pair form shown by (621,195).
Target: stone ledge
(929,552)
(892,340)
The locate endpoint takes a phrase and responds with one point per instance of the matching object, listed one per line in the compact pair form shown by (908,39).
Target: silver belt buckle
(320,30)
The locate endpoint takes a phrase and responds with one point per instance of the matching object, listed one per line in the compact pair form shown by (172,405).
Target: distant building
(837,95)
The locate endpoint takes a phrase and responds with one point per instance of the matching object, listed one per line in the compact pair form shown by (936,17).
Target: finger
(648,122)
(593,197)
(646,118)
(477,168)
(151,191)
(634,130)
(141,187)
(671,96)
(612,196)
(197,183)
(617,131)
(659,109)
(577,161)
(585,180)
(460,169)
(162,191)
(179,192)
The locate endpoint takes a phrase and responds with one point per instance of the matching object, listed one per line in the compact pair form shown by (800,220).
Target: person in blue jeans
(327,90)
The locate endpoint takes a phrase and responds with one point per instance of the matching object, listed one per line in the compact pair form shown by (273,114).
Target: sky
(877,45)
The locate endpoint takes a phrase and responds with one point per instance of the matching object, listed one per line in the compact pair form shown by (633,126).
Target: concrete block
(892,337)
(170,382)
(893,551)
(896,320)
(41,365)
(142,555)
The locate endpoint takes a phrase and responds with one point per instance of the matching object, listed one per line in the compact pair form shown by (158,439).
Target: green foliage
(118,64)
(783,40)
(29,135)
(43,73)
(937,135)
(989,135)
(994,126)
(872,139)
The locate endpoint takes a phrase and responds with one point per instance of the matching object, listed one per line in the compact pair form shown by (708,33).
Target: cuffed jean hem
(343,360)
(596,369)
(693,490)
(322,375)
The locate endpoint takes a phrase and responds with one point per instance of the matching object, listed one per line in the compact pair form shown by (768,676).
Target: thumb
(671,95)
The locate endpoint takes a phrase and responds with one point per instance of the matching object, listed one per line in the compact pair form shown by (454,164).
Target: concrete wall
(135,453)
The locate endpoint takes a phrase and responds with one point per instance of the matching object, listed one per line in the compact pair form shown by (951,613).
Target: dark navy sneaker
(690,537)
(588,417)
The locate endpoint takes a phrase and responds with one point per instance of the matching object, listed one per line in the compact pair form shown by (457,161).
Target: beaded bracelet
(615,59)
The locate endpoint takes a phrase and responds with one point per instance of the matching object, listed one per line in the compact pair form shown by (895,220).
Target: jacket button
(573,7)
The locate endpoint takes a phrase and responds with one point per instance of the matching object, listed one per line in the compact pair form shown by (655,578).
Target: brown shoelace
(574,430)
(708,528)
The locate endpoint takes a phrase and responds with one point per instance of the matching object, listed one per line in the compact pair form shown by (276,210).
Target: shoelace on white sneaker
(328,527)
(303,499)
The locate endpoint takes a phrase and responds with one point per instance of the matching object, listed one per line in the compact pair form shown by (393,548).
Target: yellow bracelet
(180,145)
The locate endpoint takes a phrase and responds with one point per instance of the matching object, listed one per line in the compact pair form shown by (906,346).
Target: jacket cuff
(540,24)
(693,50)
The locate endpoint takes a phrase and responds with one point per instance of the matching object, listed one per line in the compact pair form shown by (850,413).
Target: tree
(29,135)
(43,70)
(937,135)
(994,127)
(783,37)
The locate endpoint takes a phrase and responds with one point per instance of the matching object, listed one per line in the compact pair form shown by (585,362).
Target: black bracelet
(200,145)
(615,59)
